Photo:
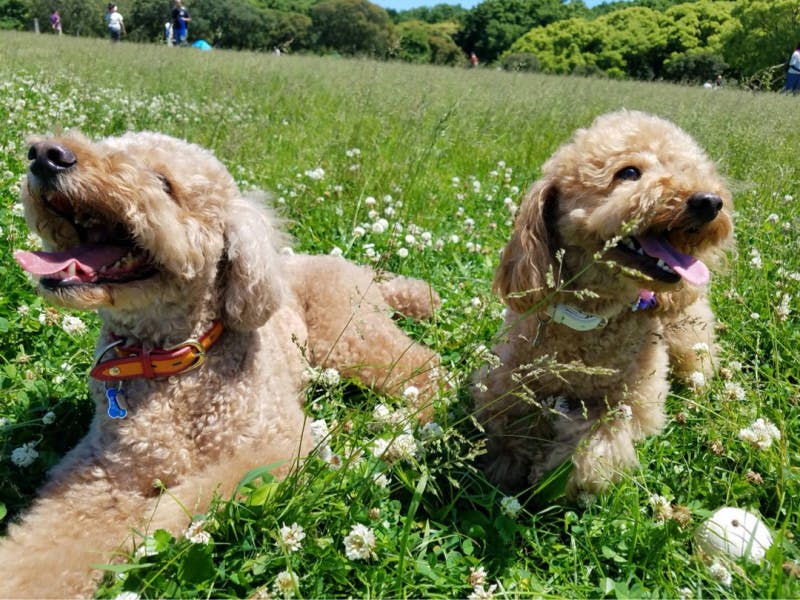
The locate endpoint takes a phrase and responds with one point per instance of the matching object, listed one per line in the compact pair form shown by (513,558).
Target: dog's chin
(91,296)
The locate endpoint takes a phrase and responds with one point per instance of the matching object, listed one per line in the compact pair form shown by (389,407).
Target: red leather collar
(132,362)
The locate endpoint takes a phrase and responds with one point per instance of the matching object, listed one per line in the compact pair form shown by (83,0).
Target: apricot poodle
(605,280)
(206,332)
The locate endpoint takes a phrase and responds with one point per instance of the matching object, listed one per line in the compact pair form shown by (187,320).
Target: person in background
(180,23)
(793,73)
(473,59)
(115,23)
(55,22)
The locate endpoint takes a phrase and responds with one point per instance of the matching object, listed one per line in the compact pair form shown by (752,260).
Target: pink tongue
(87,259)
(691,269)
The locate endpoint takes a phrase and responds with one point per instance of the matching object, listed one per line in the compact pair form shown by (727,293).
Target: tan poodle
(605,280)
(206,332)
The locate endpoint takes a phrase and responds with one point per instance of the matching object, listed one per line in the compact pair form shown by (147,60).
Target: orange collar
(136,361)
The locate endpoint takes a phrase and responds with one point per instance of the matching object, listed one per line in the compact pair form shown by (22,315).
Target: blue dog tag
(115,411)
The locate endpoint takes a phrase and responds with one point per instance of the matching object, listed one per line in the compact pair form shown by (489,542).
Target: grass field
(439,154)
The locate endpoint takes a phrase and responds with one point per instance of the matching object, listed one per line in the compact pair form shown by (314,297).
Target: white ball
(734,533)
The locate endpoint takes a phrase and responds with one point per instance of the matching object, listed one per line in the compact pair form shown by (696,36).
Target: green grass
(417,129)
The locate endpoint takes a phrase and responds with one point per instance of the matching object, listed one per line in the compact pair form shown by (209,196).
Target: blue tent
(202,45)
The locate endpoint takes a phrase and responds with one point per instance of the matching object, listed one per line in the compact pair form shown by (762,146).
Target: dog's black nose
(49,159)
(704,206)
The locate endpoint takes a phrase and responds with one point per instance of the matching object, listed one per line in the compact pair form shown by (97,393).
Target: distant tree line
(678,40)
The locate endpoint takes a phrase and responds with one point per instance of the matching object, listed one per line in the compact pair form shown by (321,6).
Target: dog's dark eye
(628,174)
(165,183)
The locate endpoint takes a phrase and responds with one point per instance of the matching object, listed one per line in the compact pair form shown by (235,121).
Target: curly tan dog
(201,349)
(605,282)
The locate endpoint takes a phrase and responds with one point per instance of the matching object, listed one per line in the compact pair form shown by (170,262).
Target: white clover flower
(18,210)
(773,218)
(402,252)
(477,576)
(315,174)
(352,153)
(147,547)
(431,431)
(285,584)
(359,231)
(788,198)
(697,379)
(701,349)
(127,596)
(330,378)
(378,226)
(510,507)
(360,543)
(662,507)
(718,571)
(411,393)
(586,499)
(49,418)
(370,201)
(784,309)
(402,447)
(24,455)
(755,259)
(685,593)
(336,251)
(291,537)
(73,325)
(475,301)
(734,391)
(23,310)
(381,480)
(195,533)
(382,413)
(319,431)
(481,593)
(760,434)
(755,316)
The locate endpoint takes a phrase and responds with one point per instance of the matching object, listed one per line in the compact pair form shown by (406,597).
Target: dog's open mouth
(105,255)
(654,256)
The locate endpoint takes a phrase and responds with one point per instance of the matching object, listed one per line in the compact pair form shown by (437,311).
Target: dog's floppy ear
(252,280)
(521,278)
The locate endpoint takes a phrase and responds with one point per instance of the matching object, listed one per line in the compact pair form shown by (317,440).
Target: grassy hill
(439,153)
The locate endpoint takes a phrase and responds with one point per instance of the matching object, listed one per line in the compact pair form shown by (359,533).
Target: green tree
(765,35)
(353,27)
(444,51)
(695,67)
(145,20)
(78,17)
(414,42)
(439,13)
(698,26)
(493,25)
(13,14)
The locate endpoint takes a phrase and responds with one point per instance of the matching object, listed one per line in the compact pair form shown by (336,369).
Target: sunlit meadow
(419,170)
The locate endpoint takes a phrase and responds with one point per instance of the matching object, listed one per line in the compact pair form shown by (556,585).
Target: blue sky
(406,4)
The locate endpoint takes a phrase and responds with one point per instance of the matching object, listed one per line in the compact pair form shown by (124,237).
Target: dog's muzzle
(49,160)
(703,207)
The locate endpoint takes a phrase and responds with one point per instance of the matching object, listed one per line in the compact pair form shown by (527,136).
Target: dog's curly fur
(557,393)
(201,251)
